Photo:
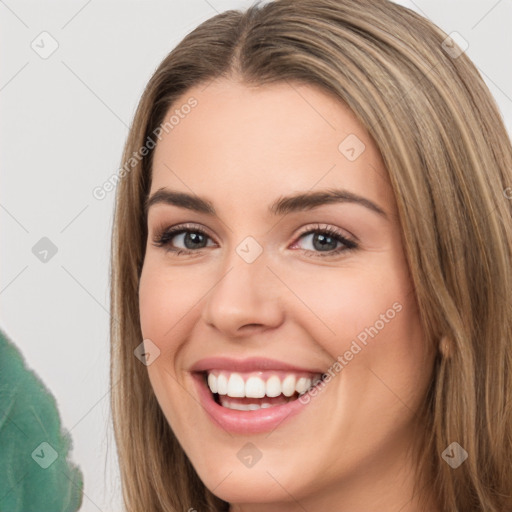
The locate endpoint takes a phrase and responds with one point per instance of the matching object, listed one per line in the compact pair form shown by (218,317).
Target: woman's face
(262,300)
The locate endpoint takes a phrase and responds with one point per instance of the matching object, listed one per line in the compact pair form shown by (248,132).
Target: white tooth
(273,386)
(240,407)
(222,384)
(264,405)
(289,385)
(237,407)
(236,386)
(255,388)
(254,407)
(303,384)
(212,383)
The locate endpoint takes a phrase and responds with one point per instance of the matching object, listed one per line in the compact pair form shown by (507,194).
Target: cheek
(165,304)
(339,304)
(367,321)
(166,316)
(365,317)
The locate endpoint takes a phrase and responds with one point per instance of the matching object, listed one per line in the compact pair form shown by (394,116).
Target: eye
(192,237)
(324,241)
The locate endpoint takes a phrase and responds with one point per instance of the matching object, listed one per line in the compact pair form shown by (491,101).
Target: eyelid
(164,227)
(350,241)
(160,229)
(322,226)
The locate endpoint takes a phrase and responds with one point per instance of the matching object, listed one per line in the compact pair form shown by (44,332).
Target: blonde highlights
(449,158)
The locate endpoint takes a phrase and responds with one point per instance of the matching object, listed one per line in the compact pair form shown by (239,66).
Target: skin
(243,147)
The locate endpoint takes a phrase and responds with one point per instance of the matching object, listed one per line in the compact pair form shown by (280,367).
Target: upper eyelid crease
(282,206)
(191,227)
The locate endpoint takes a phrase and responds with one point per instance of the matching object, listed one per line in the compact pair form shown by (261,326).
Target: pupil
(324,241)
(195,238)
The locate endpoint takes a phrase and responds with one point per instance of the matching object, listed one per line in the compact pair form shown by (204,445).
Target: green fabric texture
(35,475)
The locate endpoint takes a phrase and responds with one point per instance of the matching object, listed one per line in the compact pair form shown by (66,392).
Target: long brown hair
(449,158)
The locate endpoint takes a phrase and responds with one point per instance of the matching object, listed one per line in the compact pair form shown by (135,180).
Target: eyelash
(164,236)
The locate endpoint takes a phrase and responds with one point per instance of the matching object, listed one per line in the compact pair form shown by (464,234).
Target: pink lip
(244,422)
(247,365)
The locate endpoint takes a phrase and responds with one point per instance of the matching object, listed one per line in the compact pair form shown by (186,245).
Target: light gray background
(64,121)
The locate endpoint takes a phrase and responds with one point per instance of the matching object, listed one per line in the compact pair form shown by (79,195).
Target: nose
(244,299)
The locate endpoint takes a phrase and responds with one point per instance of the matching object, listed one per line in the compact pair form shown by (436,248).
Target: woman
(311,265)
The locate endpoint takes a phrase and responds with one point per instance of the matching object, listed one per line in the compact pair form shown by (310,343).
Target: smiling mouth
(257,390)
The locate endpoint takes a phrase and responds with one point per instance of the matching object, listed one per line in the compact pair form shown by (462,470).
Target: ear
(445,347)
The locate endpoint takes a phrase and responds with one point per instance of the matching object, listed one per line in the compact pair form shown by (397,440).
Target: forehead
(258,142)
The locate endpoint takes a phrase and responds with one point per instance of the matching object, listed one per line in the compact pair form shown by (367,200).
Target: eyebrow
(282,206)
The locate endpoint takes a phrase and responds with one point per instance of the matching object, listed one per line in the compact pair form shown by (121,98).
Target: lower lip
(245,422)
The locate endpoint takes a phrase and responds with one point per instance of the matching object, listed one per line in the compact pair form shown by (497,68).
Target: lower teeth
(245,407)
(225,401)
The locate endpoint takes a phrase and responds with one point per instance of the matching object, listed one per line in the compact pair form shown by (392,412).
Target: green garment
(35,475)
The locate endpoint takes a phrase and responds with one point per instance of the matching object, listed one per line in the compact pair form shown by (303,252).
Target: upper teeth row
(234,385)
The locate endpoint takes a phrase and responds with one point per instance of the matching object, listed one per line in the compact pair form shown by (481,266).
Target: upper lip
(247,365)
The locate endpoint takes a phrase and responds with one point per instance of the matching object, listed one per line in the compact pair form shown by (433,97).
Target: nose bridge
(245,292)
